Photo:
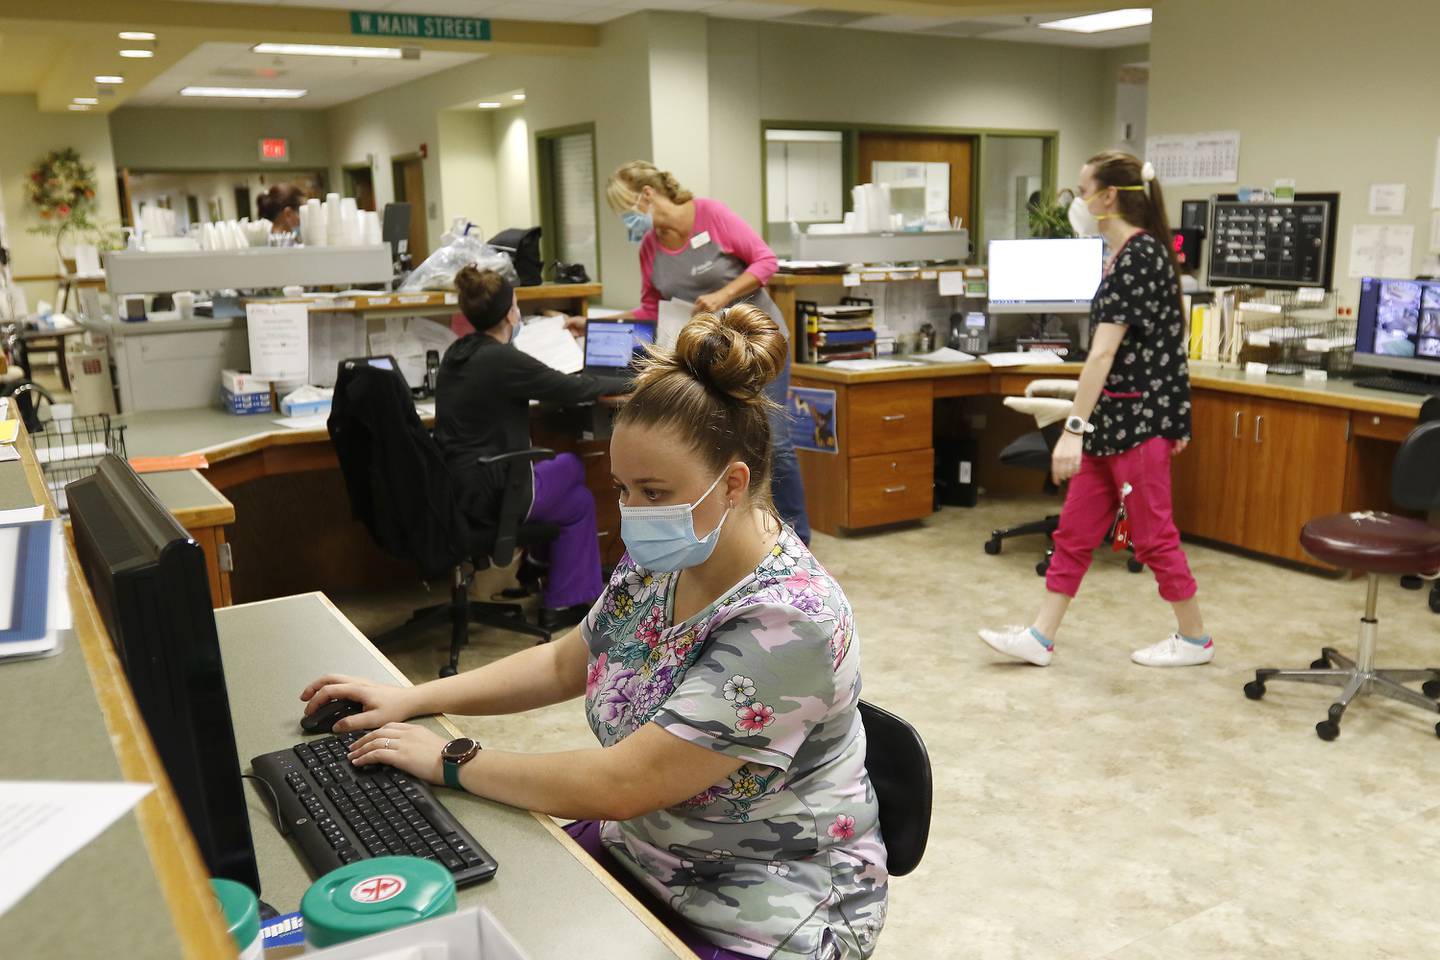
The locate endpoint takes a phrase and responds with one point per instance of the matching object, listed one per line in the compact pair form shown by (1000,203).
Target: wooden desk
(204,512)
(1267,455)
(551,897)
(140,889)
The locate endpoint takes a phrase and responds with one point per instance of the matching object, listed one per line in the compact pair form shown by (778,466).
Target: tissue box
(294,407)
(240,393)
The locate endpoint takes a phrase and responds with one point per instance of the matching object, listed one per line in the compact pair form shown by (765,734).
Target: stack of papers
(1021,359)
(547,340)
(408,340)
(944,355)
(33,606)
(9,430)
(868,364)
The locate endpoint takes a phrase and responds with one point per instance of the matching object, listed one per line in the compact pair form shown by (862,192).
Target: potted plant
(1050,217)
(61,188)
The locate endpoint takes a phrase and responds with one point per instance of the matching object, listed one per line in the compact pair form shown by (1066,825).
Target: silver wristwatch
(1077,426)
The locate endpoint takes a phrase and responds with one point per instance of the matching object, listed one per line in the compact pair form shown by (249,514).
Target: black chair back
(899,767)
(1415,475)
(394,472)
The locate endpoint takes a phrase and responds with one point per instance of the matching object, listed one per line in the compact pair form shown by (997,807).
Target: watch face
(461,749)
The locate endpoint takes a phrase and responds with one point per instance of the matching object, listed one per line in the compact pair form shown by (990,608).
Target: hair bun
(736,352)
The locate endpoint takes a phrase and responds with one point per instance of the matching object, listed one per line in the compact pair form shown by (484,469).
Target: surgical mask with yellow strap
(1087,224)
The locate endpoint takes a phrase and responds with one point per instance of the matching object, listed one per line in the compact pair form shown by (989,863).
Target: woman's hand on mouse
(405,746)
(383,702)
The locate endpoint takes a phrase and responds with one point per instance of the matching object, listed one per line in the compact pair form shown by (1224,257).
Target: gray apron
(703,269)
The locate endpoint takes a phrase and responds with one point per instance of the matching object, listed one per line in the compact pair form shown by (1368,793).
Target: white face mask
(1086,224)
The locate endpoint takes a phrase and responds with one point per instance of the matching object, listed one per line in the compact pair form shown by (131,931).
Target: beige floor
(1100,809)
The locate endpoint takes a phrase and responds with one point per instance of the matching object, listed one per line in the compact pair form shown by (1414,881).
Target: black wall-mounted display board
(1273,244)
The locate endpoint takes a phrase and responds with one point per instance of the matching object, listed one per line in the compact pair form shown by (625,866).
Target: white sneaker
(1020,643)
(1175,651)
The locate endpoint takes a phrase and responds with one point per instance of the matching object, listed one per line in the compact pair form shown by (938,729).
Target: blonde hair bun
(736,352)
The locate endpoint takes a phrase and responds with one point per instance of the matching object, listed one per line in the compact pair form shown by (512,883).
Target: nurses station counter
(140,890)
(1268,453)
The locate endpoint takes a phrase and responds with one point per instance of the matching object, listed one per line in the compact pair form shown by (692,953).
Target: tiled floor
(1099,809)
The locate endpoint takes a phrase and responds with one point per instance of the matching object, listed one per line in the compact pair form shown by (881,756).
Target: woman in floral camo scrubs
(721,674)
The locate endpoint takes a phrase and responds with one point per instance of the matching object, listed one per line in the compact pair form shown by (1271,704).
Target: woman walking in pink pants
(1131,415)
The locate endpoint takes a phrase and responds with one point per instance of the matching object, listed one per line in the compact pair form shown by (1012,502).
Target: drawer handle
(899,489)
(1258,422)
(893,416)
(591,455)
(1237,424)
(602,534)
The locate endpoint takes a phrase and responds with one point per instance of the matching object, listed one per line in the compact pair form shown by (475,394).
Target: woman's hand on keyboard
(383,702)
(405,746)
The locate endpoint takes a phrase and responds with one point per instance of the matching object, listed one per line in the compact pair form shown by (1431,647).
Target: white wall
(679,93)
(515,204)
(467,169)
(767,71)
(26,135)
(1335,101)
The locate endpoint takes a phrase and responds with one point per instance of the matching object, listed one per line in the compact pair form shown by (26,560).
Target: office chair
(1049,402)
(1376,544)
(899,768)
(1429,410)
(401,489)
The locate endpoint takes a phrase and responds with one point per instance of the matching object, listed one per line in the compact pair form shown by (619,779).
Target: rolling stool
(1376,544)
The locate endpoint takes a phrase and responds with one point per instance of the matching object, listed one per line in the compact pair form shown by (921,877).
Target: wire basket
(71,449)
(1291,332)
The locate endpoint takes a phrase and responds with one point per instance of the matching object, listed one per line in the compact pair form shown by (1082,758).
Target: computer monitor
(395,228)
(616,345)
(1044,276)
(1398,325)
(153,593)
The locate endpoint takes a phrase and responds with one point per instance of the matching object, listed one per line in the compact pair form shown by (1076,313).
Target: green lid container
(242,914)
(373,896)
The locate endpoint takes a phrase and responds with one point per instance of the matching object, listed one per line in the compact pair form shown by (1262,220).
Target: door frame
(542,144)
(418,213)
(350,168)
(850,150)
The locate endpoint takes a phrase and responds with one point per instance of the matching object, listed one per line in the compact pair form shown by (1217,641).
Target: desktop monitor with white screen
(1398,325)
(1044,276)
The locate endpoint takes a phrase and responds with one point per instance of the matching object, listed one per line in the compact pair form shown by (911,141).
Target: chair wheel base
(1134,566)
(992,546)
(447,671)
(1327,730)
(1321,664)
(1431,688)
(1254,690)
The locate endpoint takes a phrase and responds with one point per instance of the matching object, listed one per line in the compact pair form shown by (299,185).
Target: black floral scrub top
(1148,391)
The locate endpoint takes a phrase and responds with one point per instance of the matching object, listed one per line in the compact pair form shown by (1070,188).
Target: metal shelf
(134,271)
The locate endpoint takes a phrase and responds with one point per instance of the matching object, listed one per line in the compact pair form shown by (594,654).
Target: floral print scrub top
(784,858)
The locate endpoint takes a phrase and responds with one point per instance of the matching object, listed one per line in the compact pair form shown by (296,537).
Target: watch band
(452,775)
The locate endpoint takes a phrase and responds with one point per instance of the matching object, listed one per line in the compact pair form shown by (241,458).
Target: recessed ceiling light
(1100,22)
(488,105)
(246,93)
(137,54)
(87,100)
(110,79)
(79,106)
(517,96)
(136,35)
(329,50)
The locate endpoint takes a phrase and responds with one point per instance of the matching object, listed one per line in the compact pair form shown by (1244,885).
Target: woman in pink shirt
(701,251)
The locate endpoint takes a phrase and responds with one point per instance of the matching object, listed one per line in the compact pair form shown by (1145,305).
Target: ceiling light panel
(329,50)
(243,93)
(1100,22)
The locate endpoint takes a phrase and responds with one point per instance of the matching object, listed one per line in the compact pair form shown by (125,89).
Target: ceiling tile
(823,18)
(449,8)
(749,10)
(895,24)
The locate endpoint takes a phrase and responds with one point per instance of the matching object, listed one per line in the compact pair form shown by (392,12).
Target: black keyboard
(1396,385)
(340,813)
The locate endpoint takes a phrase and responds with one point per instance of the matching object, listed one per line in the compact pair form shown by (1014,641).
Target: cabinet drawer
(892,487)
(1380,426)
(888,416)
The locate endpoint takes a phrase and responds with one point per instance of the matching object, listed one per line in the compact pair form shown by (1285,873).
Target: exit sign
(275,149)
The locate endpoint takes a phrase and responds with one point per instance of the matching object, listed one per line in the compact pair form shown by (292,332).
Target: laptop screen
(616,345)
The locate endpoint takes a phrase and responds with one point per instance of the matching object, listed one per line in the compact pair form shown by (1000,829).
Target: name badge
(700,239)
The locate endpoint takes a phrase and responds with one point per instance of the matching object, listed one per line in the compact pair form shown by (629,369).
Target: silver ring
(387,744)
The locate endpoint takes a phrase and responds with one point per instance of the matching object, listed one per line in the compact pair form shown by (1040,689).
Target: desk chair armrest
(532,454)
(1045,410)
(1053,388)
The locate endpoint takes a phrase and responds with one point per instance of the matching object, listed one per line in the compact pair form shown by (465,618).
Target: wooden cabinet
(1258,469)
(884,471)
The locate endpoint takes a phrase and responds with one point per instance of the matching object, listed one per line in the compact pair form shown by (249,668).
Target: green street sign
(421,26)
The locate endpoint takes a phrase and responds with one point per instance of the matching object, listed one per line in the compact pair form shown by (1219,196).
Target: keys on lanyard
(1120,532)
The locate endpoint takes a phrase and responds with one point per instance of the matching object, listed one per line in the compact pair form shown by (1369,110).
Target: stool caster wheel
(1134,566)
(1435,601)
(1042,568)
(1254,689)
(1327,730)
(1431,688)
(1410,582)
(992,547)
(447,671)
(1321,664)
(1437,729)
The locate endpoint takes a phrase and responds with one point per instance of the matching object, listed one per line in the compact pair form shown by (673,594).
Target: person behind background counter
(700,251)
(1131,415)
(720,673)
(281,206)
(482,408)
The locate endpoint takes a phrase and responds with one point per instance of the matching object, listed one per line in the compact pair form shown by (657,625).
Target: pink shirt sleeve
(735,236)
(649,308)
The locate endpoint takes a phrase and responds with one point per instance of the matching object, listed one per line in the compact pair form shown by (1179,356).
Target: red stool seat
(1373,542)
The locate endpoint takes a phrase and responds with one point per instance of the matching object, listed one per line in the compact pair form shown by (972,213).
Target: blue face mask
(662,539)
(637,224)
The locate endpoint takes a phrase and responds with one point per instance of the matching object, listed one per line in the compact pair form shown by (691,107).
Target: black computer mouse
(322,720)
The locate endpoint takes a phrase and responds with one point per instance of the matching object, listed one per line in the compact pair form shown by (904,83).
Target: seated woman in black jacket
(482,408)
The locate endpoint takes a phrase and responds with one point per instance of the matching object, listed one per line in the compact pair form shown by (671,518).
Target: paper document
(944,355)
(1021,359)
(547,340)
(316,422)
(70,451)
(867,364)
(21,515)
(8,452)
(1382,251)
(603,313)
(42,823)
(425,410)
(334,337)
(952,283)
(1387,199)
(279,336)
(674,314)
(9,430)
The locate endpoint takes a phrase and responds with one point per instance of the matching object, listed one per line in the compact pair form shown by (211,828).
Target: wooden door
(1208,479)
(958,151)
(409,185)
(1296,456)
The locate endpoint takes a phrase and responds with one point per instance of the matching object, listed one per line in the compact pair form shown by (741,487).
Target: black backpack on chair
(523,245)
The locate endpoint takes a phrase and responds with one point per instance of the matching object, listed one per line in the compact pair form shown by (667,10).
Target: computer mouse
(323,719)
